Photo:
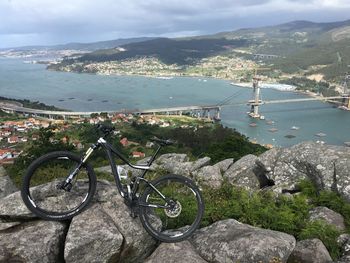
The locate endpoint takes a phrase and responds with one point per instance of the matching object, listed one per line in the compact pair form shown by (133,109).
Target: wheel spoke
(42,186)
(182,213)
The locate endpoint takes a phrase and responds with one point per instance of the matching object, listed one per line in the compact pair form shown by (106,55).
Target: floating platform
(290,136)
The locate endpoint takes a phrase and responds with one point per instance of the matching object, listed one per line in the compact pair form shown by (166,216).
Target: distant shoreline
(276,86)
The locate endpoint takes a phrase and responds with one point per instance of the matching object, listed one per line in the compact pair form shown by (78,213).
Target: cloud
(52,21)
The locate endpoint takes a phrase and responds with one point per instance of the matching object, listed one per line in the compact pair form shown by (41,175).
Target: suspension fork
(66,184)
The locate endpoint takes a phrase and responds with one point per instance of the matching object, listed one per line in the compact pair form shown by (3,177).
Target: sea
(284,124)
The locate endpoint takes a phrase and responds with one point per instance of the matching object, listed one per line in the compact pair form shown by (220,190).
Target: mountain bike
(60,185)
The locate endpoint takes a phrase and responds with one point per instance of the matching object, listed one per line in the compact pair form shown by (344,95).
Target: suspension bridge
(200,111)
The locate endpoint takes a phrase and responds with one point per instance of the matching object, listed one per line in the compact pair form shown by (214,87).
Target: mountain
(301,47)
(85,46)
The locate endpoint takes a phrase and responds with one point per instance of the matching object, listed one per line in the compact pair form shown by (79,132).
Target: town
(17,132)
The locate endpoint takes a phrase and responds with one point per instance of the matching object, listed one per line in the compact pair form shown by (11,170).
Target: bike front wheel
(44,190)
(171,208)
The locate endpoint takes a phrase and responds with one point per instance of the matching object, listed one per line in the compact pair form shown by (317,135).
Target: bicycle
(60,185)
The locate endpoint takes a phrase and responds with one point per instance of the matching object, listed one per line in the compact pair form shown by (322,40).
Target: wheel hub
(174,210)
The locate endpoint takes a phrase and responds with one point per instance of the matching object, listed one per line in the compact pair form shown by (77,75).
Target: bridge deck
(16,108)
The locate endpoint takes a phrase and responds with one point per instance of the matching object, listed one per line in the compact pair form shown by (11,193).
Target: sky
(48,22)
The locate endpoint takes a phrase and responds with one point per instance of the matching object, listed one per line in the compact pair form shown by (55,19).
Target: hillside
(300,47)
(83,46)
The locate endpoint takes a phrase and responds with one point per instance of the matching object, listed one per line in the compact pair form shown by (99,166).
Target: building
(124,142)
(138,154)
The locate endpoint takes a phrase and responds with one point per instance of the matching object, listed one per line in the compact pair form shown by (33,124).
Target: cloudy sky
(30,22)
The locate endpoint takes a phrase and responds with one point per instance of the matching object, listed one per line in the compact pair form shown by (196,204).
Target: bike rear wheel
(174,216)
(42,190)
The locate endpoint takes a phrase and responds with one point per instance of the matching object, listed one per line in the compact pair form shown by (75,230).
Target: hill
(299,47)
(84,46)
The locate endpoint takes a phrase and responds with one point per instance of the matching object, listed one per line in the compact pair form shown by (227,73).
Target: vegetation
(287,214)
(39,147)
(169,51)
(304,84)
(31,104)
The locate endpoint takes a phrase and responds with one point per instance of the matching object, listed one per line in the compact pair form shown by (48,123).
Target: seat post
(154,155)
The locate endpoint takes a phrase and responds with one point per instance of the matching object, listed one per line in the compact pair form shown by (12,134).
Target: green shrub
(328,234)
(329,199)
(262,209)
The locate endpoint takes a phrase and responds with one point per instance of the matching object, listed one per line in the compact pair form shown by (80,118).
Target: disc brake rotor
(174,211)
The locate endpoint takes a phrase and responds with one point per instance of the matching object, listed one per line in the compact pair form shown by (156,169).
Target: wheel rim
(44,191)
(178,219)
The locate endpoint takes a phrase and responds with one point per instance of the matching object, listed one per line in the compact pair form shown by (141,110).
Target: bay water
(88,92)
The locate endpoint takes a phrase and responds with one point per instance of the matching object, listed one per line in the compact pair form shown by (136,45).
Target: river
(87,92)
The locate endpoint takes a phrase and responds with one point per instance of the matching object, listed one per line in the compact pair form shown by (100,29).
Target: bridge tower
(254,104)
(346,93)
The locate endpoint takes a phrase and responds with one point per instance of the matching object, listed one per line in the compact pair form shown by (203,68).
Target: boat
(262,117)
(253,124)
(295,128)
(273,130)
(170,98)
(320,134)
(270,122)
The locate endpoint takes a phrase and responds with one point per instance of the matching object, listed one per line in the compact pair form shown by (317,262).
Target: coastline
(276,86)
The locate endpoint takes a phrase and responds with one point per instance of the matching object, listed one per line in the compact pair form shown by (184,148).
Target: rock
(241,173)
(209,175)
(138,244)
(172,165)
(232,241)
(37,241)
(310,251)
(12,207)
(172,157)
(327,215)
(327,166)
(6,185)
(224,165)
(93,237)
(200,163)
(182,252)
(5,224)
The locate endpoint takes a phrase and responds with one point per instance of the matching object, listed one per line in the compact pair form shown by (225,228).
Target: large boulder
(327,166)
(6,185)
(224,165)
(242,173)
(179,164)
(36,241)
(137,244)
(310,251)
(12,207)
(209,175)
(93,237)
(212,175)
(232,241)
(182,252)
(329,216)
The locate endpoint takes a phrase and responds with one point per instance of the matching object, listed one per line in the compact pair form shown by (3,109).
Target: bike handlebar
(105,129)
(163,142)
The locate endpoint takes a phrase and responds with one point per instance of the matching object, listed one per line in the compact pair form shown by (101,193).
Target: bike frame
(131,193)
